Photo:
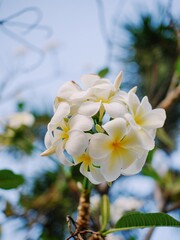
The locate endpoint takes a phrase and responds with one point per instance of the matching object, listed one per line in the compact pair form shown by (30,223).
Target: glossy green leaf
(9,180)
(136,220)
(105,212)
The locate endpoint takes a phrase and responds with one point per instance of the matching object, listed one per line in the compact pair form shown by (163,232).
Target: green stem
(86,184)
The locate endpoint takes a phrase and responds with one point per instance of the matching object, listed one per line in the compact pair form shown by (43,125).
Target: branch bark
(170,99)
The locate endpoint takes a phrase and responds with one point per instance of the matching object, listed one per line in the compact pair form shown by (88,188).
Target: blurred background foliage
(44,200)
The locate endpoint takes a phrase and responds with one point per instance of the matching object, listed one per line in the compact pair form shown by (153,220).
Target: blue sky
(77,34)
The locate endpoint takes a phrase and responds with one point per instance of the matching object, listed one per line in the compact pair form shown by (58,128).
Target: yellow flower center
(138,120)
(65,135)
(84,158)
(116,145)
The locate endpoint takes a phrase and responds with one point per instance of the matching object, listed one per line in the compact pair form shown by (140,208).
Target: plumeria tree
(98,133)
(107,133)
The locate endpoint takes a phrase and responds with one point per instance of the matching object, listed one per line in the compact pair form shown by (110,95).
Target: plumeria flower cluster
(105,130)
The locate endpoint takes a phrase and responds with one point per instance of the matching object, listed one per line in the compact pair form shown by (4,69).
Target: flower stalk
(84,207)
(84,210)
(83,218)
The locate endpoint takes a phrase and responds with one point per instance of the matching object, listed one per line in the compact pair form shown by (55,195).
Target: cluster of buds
(106,131)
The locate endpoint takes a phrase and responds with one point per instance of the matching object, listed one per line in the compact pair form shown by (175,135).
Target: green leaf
(178,67)
(9,180)
(102,73)
(165,138)
(149,171)
(105,212)
(150,156)
(135,220)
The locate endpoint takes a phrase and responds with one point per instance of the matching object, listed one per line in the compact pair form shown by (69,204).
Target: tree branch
(170,99)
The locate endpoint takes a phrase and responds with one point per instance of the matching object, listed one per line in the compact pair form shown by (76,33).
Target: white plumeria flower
(66,134)
(19,119)
(104,97)
(144,119)
(88,169)
(104,152)
(122,205)
(117,151)
(113,236)
(95,202)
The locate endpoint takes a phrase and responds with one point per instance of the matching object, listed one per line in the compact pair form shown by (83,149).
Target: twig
(149,234)
(70,220)
(173,207)
(27,28)
(170,99)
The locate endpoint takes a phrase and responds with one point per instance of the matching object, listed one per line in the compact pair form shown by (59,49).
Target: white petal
(81,122)
(85,172)
(76,143)
(98,145)
(147,139)
(116,128)
(101,92)
(134,90)
(115,109)
(136,166)
(47,140)
(57,135)
(133,101)
(61,156)
(68,89)
(118,81)
(131,121)
(49,151)
(89,108)
(96,174)
(111,170)
(154,119)
(144,107)
(116,163)
(132,139)
(62,111)
(127,157)
(79,96)
(90,80)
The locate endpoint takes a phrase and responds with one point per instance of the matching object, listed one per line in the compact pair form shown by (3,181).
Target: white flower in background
(95,201)
(19,119)
(115,151)
(160,163)
(104,130)
(144,119)
(113,236)
(122,205)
